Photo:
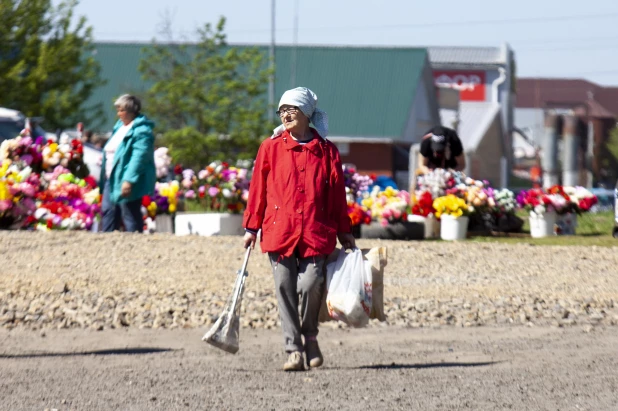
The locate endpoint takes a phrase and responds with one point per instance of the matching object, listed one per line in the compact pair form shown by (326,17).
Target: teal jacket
(133,162)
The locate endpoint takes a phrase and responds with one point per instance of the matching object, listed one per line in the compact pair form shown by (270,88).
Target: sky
(550,38)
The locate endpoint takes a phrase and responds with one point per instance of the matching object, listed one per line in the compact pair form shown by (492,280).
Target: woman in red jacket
(297,198)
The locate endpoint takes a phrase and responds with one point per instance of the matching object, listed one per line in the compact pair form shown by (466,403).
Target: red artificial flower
(224,164)
(146,201)
(373,177)
(92,183)
(177,169)
(50,225)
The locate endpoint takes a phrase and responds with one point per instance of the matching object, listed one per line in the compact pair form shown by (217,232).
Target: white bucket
(430,223)
(453,228)
(542,225)
(163,224)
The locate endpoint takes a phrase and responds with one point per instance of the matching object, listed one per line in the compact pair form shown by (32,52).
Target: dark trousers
(294,278)
(113,215)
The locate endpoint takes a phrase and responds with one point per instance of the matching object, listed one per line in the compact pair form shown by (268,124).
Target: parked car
(12,122)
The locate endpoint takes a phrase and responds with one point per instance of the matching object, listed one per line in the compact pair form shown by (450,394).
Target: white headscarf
(307,102)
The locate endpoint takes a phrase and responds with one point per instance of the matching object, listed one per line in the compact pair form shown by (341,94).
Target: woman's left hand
(347,240)
(125,190)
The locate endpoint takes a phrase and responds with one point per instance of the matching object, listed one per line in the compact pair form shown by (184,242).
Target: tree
(46,65)
(207,98)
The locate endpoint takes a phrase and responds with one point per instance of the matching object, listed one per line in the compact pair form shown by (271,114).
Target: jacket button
(299,211)
(301,168)
(302,190)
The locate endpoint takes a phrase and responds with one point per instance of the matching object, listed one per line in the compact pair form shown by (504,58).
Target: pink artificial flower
(27,189)
(202,189)
(5,205)
(186,183)
(27,158)
(190,194)
(213,191)
(384,222)
(203,174)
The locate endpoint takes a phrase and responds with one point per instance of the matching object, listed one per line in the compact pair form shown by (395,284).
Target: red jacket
(297,196)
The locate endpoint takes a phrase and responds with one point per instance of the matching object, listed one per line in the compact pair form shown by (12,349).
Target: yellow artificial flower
(5,194)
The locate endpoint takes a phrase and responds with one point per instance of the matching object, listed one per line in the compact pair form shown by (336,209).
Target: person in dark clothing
(442,148)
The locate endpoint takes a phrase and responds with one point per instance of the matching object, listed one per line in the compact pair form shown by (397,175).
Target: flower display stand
(402,230)
(453,228)
(164,224)
(208,224)
(430,224)
(542,225)
(566,224)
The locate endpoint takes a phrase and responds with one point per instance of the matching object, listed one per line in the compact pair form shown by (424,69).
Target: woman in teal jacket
(128,171)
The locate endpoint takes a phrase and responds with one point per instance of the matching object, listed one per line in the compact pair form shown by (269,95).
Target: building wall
(370,158)
(424,112)
(485,164)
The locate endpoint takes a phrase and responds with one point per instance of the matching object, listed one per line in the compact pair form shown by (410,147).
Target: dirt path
(382,368)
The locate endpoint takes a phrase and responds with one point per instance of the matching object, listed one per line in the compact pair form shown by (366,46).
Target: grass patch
(592,229)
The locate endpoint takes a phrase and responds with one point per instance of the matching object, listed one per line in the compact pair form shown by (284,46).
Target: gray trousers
(294,277)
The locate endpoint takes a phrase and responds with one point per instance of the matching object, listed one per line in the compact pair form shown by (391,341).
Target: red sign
(471,84)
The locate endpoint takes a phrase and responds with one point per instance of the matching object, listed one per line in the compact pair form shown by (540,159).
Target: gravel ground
(98,281)
(482,368)
(470,326)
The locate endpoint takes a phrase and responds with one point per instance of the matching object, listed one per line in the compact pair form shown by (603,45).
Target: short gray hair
(129,103)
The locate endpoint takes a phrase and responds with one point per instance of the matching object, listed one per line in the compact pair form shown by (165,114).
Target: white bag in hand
(349,285)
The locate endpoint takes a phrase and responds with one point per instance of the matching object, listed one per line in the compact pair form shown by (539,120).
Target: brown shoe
(294,362)
(313,353)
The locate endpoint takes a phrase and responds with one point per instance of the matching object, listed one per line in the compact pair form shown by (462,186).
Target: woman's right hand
(249,240)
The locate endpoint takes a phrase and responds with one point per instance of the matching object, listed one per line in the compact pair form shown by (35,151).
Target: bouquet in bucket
(582,198)
(18,189)
(43,154)
(66,202)
(163,201)
(562,200)
(219,187)
(423,206)
(451,205)
(387,206)
(535,201)
(358,214)
(356,185)
(437,182)
(37,196)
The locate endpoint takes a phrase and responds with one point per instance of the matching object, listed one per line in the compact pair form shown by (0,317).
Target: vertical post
(293,71)
(413,165)
(271,55)
(504,172)
(590,156)
(550,151)
(570,146)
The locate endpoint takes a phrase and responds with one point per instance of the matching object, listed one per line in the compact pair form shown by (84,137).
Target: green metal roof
(366,91)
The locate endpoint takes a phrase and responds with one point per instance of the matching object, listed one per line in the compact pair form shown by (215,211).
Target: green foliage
(207,98)
(46,65)
(612,143)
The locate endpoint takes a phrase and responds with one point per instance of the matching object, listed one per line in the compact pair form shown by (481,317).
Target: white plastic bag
(349,285)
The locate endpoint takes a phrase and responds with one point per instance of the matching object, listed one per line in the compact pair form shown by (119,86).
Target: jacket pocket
(270,220)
